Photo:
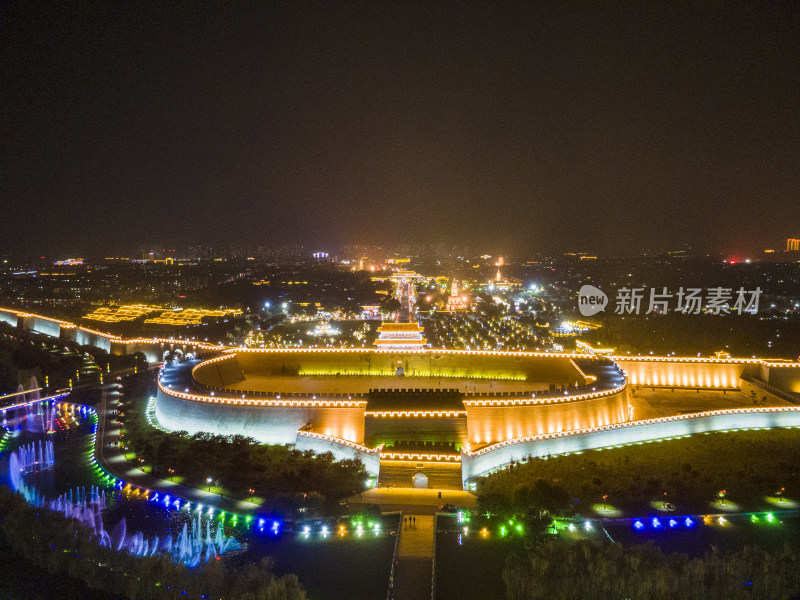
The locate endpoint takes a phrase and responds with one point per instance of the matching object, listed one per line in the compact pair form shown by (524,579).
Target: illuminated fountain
(15,472)
(190,547)
(35,456)
(40,417)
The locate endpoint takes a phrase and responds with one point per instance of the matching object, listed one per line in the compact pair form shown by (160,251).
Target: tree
(390,304)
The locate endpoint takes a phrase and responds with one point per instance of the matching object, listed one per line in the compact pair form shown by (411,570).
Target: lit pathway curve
(111,458)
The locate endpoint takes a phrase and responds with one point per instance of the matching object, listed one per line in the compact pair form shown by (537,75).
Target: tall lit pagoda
(456,302)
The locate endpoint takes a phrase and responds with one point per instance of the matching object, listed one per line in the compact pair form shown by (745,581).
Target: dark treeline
(60,546)
(560,570)
(288,479)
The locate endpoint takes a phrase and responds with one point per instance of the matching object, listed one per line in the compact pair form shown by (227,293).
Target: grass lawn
(750,466)
(471,568)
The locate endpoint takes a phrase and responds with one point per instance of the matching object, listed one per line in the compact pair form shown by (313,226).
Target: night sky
(512,127)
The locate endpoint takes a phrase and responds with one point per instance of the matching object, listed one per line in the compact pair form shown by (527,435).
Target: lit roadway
(406,299)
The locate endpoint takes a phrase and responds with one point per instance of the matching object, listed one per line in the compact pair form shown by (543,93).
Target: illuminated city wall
(219,373)
(540,369)
(785,377)
(341,450)
(88,338)
(497,422)
(152,351)
(9,317)
(685,373)
(40,325)
(485,461)
(267,424)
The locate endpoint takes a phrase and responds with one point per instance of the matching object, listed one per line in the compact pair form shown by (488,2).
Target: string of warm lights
(375,373)
(691,359)
(550,400)
(244,401)
(416,413)
(404,456)
(434,352)
(340,441)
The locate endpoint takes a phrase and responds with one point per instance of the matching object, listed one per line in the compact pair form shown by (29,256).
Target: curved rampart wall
(700,374)
(41,325)
(267,424)
(483,463)
(219,373)
(87,338)
(152,351)
(10,317)
(493,423)
(340,451)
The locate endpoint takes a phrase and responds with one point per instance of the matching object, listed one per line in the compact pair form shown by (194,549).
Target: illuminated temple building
(400,335)
(456,302)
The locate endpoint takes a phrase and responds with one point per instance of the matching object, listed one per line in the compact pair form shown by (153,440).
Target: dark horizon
(531,128)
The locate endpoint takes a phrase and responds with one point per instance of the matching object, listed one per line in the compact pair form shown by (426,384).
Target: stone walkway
(414,570)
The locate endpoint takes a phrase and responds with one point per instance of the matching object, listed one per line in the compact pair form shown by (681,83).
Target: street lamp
(208,480)
(252,493)
(171,474)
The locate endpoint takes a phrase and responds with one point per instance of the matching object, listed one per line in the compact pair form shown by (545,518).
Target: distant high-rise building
(793,245)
